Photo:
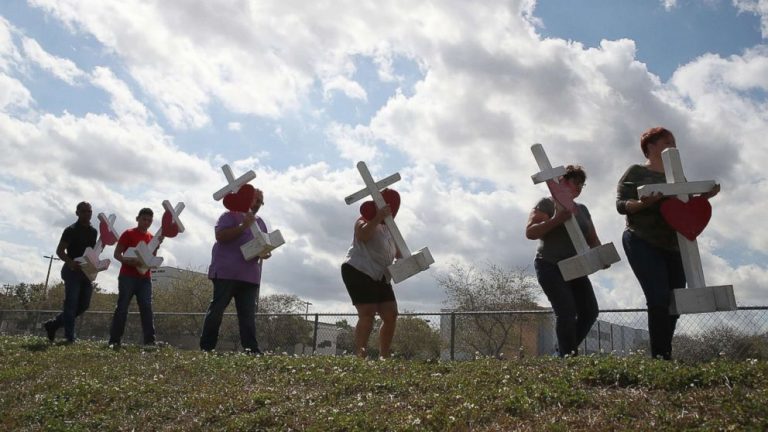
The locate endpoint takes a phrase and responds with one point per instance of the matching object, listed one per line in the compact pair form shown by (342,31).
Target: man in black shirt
(77,287)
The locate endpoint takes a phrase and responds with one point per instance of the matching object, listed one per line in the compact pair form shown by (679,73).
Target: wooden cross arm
(671,189)
(381,184)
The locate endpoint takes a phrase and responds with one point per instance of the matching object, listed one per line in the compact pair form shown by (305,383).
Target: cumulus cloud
(757,7)
(61,68)
(491,87)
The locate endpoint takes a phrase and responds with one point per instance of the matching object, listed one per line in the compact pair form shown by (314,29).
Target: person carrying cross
(77,287)
(650,242)
(235,277)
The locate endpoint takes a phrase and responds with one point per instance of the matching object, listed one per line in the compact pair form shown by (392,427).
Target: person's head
(83,212)
(144,219)
(575,178)
(655,140)
(258,200)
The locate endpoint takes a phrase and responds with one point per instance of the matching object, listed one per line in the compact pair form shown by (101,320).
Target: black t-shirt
(78,237)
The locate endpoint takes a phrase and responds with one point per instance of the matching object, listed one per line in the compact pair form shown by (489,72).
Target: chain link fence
(447,335)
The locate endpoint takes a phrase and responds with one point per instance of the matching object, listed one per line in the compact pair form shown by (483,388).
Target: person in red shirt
(132,282)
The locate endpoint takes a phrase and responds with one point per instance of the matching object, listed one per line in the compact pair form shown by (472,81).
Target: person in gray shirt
(573,301)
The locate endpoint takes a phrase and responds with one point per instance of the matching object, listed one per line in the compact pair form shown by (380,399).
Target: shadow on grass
(37,346)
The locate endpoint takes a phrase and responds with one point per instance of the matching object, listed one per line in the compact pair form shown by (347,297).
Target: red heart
(562,194)
(391,197)
(169,227)
(107,238)
(687,218)
(240,201)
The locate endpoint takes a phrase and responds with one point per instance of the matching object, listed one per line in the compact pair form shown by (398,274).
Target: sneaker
(50,331)
(254,352)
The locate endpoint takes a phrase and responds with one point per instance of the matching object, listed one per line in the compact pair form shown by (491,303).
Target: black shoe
(50,331)
(254,352)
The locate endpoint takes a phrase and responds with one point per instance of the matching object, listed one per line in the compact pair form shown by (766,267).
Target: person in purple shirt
(234,277)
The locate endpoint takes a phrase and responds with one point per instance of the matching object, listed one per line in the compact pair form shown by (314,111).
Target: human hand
(651,199)
(249,219)
(73,265)
(382,213)
(562,214)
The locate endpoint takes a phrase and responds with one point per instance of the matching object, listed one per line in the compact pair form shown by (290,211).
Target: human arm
(119,255)
(364,230)
(62,254)
(541,223)
(229,234)
(627,199)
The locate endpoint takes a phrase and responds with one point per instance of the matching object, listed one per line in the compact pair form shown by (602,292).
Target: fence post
(314,334)
(520,338)
(35,321)
(453,334)
(599,338)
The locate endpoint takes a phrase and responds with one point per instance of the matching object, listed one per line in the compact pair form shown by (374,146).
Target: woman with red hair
(649,242)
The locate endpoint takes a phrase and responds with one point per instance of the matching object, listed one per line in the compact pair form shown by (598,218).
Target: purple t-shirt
(227,260)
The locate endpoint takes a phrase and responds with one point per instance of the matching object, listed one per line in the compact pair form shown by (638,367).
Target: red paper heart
(107,238)
(169,227)
(562,194)
(240,201)
(391,197)
(688,218)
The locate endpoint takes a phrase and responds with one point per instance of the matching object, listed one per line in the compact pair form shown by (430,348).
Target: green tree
(414,339)
(277,331)
(345,340)
(492,288)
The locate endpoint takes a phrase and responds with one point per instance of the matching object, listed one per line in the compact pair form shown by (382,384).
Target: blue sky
(125,104)
(665,38)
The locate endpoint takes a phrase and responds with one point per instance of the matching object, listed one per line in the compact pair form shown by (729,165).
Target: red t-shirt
(130,238)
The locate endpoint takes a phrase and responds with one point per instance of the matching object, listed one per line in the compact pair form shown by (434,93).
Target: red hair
(651,136)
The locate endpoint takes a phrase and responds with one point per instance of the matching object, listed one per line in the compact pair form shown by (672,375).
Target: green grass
(89,387)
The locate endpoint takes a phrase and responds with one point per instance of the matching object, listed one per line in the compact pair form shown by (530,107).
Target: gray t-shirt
(555,245)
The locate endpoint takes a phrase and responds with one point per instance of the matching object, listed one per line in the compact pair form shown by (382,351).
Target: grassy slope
(88,387)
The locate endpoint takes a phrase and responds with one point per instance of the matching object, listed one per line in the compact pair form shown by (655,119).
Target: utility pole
(307,311)
(50,263)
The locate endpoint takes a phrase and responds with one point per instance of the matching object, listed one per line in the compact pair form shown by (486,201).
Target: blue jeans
(574,304)
(77,298)
(127,287)
(659,271)
(246,295)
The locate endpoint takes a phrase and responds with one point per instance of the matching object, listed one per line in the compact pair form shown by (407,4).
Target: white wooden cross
(262,243)
(90,263)
(698,297)
(233,185)
(145,252)
(587,260)
(408,265)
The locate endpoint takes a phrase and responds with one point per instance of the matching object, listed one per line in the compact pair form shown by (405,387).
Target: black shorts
(363,289)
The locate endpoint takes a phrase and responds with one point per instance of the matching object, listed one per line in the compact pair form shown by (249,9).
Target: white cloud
(235,126)
(757,7)
(62,68)
(669,4)
(491,88)
(123,104)
(353,143)
(13,93)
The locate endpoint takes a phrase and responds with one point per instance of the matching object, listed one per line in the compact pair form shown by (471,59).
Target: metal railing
(448,335)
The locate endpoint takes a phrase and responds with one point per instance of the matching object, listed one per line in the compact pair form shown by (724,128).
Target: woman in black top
(649,242)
